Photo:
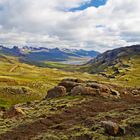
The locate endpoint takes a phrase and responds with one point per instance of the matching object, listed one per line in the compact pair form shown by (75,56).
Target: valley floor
(64,118)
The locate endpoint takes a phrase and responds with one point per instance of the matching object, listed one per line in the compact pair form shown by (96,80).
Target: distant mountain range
(121,64)
(40,54)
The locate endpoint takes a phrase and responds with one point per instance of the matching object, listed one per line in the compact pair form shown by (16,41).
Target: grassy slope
(132,73)
(57,65)
(68,116)
(36,80)
(127,71)
(14,76)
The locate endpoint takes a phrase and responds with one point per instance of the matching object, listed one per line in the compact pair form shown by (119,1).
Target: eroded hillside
(80,110)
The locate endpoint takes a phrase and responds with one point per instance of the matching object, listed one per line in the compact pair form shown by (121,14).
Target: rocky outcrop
(104,90)
(69,84)
(58,91)
(100,87)
(79,87)
(83,90)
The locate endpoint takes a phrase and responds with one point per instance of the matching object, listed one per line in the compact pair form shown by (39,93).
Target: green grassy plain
(20,82)
(17,78)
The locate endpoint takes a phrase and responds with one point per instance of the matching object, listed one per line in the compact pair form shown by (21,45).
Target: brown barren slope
(85,114)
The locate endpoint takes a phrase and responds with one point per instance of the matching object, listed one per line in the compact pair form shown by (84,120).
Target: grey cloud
(49,23)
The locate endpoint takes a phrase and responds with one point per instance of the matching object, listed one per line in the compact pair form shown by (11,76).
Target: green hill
(122,64)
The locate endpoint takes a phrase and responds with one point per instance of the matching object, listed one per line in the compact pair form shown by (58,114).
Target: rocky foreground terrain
(76,110)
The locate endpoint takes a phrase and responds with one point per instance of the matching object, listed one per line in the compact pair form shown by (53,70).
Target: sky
(78,24)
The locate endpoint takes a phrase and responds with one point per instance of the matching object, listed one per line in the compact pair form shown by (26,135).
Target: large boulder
(83,90)
(14,111)
(101,87)
(69,85)
(102,90)
(112,128)
(58,91)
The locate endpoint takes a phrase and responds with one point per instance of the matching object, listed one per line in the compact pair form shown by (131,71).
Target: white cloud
(50,23)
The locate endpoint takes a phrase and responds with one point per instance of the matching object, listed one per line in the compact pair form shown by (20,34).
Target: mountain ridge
(111,58)
(43,54)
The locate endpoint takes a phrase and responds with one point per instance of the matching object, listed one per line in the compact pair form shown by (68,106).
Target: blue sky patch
(95,3)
